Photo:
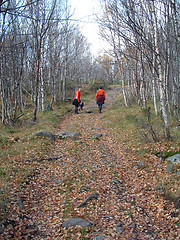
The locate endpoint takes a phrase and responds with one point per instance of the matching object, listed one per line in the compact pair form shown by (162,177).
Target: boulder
(67,134)
(44,134)
(93,195)
(100,237)
(141,163)
(170,168)
(174,159)
(73,222)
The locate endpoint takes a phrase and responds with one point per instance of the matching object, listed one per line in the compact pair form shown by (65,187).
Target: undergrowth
(20,153)
(131,125)
(142,133)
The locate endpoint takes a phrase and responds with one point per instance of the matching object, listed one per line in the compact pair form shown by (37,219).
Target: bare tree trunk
(160,76)
(154,84)
(176,79)
(137,83)
(36,85)
(42,89)
(143,87)
(64,88)
(3,101)
(123,84)
(60,84)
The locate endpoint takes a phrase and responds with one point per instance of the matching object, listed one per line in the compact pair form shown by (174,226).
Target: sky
(85,10)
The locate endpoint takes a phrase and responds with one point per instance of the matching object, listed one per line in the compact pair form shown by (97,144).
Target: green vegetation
(137,124)
(132,125)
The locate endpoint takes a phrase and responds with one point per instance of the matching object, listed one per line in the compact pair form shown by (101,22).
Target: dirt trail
(126,207)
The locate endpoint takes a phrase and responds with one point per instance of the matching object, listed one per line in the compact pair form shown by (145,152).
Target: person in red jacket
(77,100)
(100,98)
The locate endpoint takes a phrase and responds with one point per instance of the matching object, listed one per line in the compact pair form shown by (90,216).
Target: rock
(90,169)
(67,134)
(126,150)
(80,142)
(45,134)
(20,203)
(170,168)
(84,188)
(63,202)
(58,181)
(93,195)
(174,159)
(72,222)
(115,181)
(100,237)
(119,224)
(95,137)
(108,217)
(119,229)
(141,163)
(132,225)
(74,138)
(135,166)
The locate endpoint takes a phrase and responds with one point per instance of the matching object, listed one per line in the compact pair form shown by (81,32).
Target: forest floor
(93,177)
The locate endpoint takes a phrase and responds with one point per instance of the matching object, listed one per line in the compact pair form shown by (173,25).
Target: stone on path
(174,159)
(44,134)
(67,134)
(73,222)
(93,195)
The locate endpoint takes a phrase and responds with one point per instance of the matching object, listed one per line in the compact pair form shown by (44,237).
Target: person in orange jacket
(100,98)
(77,100)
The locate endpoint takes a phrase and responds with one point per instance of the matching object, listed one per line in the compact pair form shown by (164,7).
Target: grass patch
(131,126)
(136,124)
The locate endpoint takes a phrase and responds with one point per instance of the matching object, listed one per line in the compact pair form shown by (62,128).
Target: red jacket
(77,95)
(100,92)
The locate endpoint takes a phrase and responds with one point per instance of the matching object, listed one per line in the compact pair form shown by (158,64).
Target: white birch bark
(42,90)
(154,85)
(160,76)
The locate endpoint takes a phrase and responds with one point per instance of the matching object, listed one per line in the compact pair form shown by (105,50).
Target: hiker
(77,100)
(100,98)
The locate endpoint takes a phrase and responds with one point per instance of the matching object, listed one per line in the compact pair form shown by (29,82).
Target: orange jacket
(77,95)
(100,92)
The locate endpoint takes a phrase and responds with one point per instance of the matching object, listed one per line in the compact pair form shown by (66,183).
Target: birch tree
(151,29)
(12,53)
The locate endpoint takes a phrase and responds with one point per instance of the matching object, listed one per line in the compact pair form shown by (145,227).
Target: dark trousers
(76,104)
(76,109)
(100,106)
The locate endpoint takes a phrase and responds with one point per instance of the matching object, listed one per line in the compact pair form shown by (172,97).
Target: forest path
(94,178)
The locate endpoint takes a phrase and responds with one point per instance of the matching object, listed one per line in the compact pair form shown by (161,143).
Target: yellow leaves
(105,61)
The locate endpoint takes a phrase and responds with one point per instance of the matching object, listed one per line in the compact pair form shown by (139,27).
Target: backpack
(100,98)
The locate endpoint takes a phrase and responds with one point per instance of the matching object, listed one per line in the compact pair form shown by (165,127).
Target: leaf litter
(92,179)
